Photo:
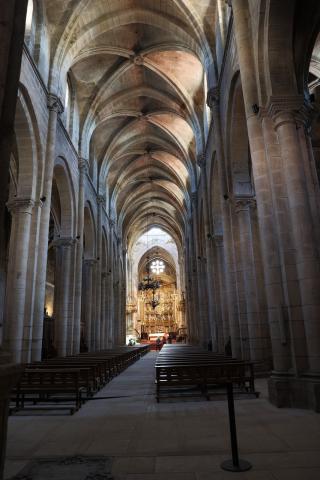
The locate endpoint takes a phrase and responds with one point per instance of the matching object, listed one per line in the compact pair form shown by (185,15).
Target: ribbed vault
(138,69)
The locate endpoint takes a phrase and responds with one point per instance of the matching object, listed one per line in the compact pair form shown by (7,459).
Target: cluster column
(21,212)
(83,170)
(55,109)
(63,319)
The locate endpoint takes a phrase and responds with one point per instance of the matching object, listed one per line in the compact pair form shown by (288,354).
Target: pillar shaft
(21,211)
(276,296)
(61,304)
(83,169)
(55,107)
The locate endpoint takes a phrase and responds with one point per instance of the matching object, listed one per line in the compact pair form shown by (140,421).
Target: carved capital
(101,199)
(63,242)
(54,103)
(244,204)
(194,196)
(218,240)
(290,109)
(213,97)
(201,160)
(20,205)
(90,262)
(83,165)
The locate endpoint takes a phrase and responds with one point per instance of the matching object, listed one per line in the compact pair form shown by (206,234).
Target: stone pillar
(288,123)
(275,286)
(61,302)
(231,283)
(211,290)
(87,292)
(224,323)
(55,108)
(21,212)
(243,206)
(12,27)
(83,170)
(103,326)
(101,201)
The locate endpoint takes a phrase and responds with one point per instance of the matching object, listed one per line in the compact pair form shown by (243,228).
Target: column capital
(90,261)
(194,196)
(20,205)
(63,242)
(218,240)
(201,160)
(244,203)
(213,97)
(101,199)
(83,165)
(54,103)
(286,109)
(112,222)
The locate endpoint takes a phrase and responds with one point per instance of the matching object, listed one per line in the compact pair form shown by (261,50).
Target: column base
(295,392)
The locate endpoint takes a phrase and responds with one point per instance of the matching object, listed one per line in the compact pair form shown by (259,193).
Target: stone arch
(239,167)
(27,148)
(62,179)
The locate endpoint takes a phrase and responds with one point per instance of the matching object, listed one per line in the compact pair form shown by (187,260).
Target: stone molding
(20,205)
(83,165)
(290,109)
(201,160)
(213,97)
(90,261)
(194,196)
(54,103)
(218,240)
(63,242)
(244,204)
(101,199)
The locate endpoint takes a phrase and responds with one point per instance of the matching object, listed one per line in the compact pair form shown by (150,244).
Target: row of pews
(189,369)
(67,382)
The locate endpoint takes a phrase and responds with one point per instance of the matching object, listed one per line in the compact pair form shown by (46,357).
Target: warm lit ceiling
(138,67)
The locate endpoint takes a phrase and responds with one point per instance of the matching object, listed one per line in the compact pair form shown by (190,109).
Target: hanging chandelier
(149,283)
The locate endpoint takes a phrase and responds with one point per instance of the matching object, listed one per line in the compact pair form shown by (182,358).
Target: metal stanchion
(235,464)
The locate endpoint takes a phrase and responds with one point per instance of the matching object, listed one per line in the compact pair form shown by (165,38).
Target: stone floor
(172,440)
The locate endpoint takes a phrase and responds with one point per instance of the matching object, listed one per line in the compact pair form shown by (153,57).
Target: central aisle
(176,440)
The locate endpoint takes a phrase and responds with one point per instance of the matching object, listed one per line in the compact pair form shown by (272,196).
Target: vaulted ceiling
(138,70)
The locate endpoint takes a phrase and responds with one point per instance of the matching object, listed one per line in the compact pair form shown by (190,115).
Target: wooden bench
(49,385)
(184,366)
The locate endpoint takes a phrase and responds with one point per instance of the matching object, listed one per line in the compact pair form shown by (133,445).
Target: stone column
(101,201)
(12,27)
(243,206)
(83,170)
(275,291)
(61,303)
(87,293)
(224,323)
(212,317)
(21,212)
(103,329)
(230,274)
(289,121)
(55,108)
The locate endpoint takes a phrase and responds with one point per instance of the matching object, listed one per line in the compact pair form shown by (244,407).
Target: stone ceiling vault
(138,71)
